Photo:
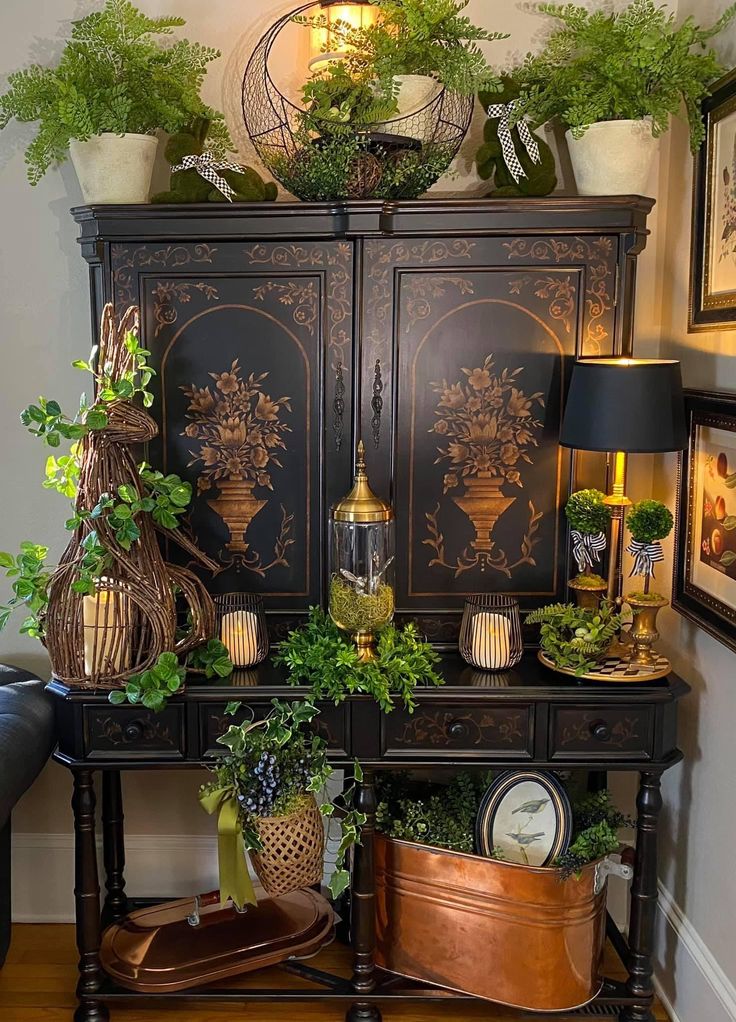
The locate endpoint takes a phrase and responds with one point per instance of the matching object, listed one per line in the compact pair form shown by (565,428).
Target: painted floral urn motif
(487,424)
(239,433)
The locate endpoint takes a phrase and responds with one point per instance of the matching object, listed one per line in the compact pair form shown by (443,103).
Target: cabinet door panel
(252,347)
(474,341)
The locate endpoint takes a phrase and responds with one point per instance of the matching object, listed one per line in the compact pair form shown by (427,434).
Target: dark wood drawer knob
(133,731)
(457,729)
(600,731)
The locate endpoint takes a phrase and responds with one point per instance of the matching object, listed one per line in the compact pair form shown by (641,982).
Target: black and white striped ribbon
(586,547)
(207,166)
(503,111)
(645,555)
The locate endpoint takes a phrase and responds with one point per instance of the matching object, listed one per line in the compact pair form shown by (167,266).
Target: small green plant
(624,65)
(587,513)
(415,37)
(335,97)
(321,657)
(152,688)
(441,815)
(115,76)
(576,638)
(30,585)
(596,823)
(271,767)
(212,660)
(649,521)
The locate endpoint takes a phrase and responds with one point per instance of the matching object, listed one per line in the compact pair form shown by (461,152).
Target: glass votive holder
(490,633)
(241,627)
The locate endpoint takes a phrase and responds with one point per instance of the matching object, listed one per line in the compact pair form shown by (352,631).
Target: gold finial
(361,504)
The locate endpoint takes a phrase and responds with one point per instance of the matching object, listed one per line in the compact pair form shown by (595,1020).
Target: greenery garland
(322,658)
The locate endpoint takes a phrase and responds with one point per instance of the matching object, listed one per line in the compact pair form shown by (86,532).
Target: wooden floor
(38,979)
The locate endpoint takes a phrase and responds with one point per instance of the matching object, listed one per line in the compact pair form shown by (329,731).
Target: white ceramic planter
(613,157)
(415,91)
(115,168)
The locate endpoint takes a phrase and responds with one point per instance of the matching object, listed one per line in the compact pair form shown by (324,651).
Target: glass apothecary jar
(362,562)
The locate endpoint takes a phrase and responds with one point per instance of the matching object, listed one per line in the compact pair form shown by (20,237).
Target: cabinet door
(252,344)
(467,349)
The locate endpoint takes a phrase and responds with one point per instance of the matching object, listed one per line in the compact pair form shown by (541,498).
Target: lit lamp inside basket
(325,46)
(490,633)
(106,619)
(242,628)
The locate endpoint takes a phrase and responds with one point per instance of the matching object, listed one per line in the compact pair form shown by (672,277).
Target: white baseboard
(175,865)
(156,865)
(691,984)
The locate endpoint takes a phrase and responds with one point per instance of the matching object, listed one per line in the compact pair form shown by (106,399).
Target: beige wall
(44,324)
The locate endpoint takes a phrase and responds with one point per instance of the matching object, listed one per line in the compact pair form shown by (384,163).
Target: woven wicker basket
(293,850)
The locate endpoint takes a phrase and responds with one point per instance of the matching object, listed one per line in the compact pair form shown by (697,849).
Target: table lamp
(623,406)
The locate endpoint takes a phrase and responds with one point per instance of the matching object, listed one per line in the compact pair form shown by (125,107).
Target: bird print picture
(525,818)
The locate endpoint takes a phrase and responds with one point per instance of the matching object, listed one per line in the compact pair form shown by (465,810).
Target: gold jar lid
(361,505)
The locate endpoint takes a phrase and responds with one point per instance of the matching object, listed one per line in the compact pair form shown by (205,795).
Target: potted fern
(114,87)
(413,50)
(614,79)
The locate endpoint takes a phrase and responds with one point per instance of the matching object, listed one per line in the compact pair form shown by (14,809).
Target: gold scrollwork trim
(382,257)
(426,286)
(597,255)
(303,297)
(168,294)
(337,259)
(125,261)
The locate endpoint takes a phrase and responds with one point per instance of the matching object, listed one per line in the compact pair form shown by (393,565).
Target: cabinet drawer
(332,725)
(601,731)
(459,730)
(133,732)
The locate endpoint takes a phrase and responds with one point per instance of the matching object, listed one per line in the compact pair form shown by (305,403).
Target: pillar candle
(106,619)
(239,633)
(491,641)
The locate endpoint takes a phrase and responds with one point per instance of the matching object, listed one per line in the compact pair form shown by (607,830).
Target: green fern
(113,76)
(603,66)
(573,637)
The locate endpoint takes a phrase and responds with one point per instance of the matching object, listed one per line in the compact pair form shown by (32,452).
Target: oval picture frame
(527,816)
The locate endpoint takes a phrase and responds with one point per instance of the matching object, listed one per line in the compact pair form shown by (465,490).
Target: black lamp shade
(630,405)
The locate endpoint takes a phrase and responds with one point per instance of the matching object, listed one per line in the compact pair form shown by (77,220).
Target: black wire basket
(397,159)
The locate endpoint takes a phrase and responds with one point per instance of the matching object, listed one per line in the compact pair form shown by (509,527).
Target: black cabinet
(443,333)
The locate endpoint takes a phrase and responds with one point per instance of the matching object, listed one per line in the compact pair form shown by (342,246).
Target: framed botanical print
(713,257)
(705,545)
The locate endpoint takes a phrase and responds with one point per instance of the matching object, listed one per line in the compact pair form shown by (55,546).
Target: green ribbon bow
(235,881)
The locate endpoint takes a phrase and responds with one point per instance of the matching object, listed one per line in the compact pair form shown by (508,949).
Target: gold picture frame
(712,304)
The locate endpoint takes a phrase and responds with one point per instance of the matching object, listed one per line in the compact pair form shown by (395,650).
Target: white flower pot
(613,157)
(115,168)
(415,92)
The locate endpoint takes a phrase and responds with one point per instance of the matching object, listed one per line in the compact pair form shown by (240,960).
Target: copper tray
(183,944)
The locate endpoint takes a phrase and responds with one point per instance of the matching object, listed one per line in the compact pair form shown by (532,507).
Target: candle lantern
(241,625)
(490,633)
(361,562)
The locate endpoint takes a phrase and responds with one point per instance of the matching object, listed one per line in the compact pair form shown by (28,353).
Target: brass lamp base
(365,644)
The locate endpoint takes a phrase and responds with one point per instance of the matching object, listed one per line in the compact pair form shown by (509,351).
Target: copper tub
(517,935)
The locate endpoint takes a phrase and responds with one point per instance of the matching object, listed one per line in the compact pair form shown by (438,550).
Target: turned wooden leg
(87,900)
(643,902)
(363,908)
(113,836)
